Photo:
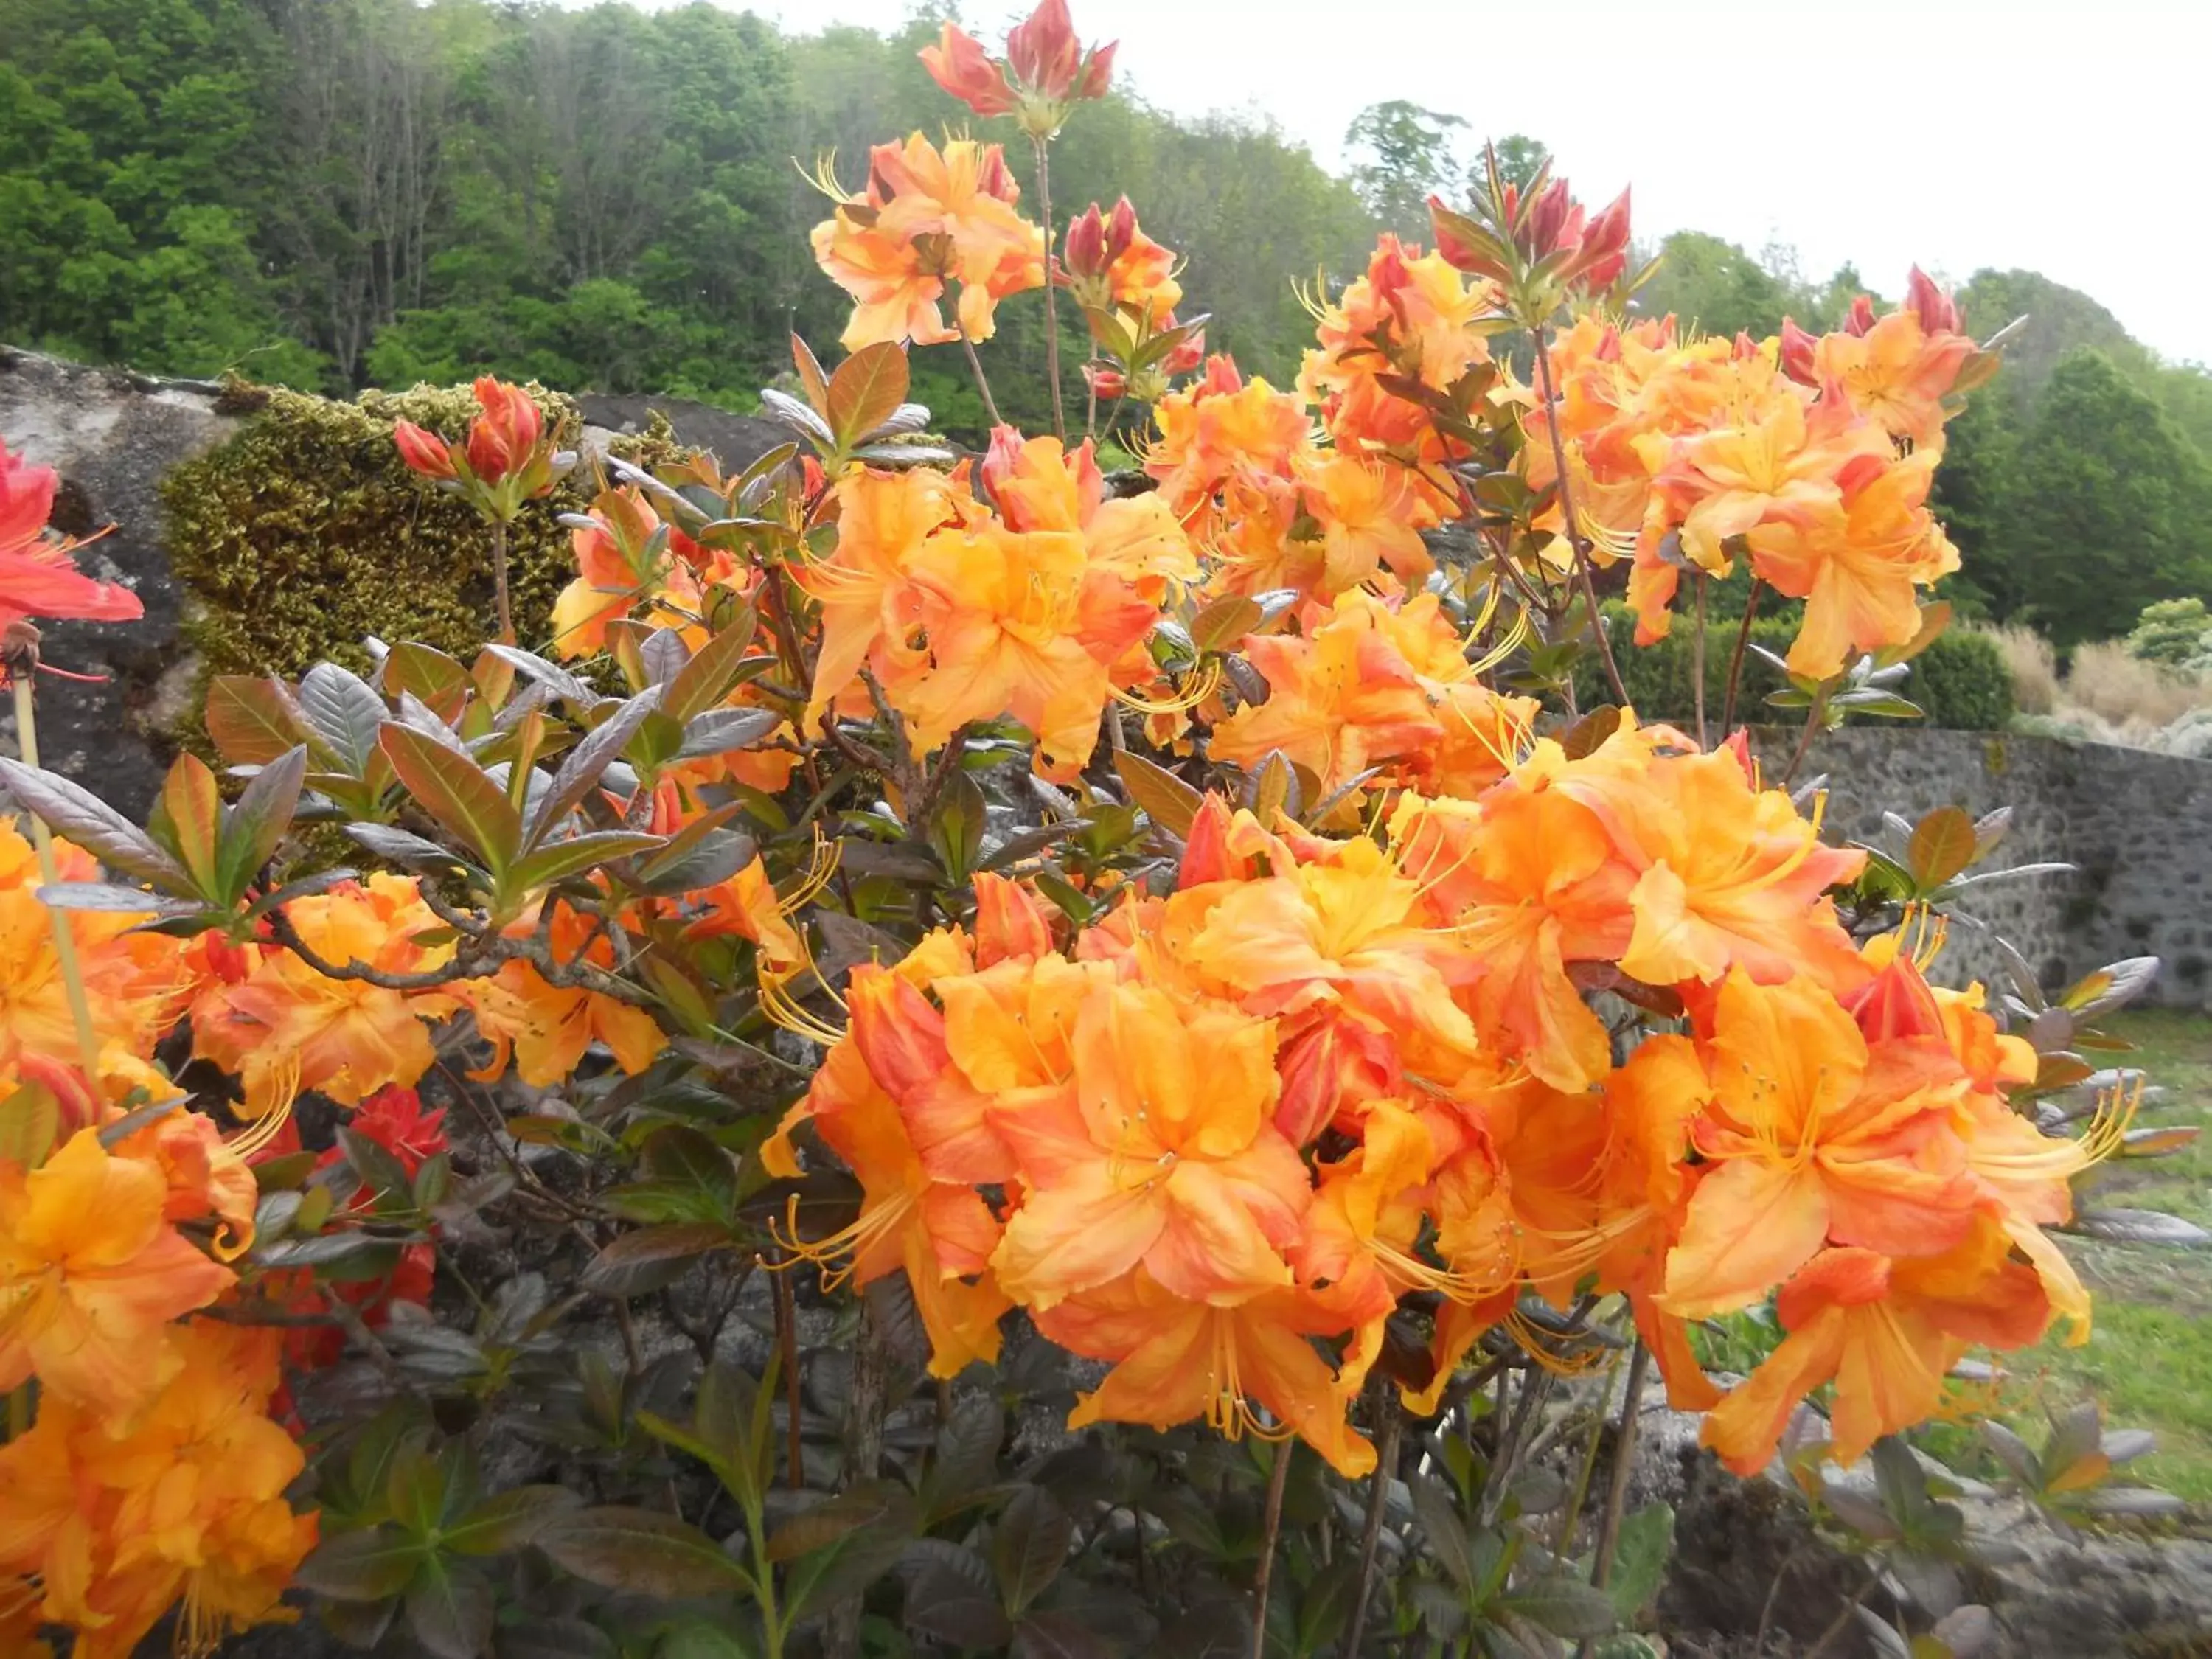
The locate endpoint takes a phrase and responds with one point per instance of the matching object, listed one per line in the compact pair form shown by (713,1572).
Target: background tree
(1410,153)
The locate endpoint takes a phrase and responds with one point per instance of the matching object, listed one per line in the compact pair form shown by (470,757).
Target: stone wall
(2137,825)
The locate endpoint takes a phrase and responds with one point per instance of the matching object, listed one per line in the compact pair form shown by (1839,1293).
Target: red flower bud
(1097,71)
(1608,233)
(1044,51)
(1086,244)
(1550,218)
(1104,382)
(1797,353)
(1121,230)
(1862,316)
(1221,375)
(959,63)
(1937,312)
(1187,356)
(425,452)
(991,177)
(500,438)
(1003,458)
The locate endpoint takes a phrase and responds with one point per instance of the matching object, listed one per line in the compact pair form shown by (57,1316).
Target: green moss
(305,534)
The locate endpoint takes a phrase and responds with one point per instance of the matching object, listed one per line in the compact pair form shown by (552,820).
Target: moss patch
(305,534)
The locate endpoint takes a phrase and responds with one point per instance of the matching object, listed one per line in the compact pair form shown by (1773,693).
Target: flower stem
(1698,661)
(1378,1499)
(1735,662)
(499,581)
(1574,528)
(1623,1460)
(1051,300)
(982,384)
(80,1005)
(1269,1529)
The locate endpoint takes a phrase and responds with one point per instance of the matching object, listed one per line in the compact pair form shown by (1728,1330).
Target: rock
(112,435)
(736,440)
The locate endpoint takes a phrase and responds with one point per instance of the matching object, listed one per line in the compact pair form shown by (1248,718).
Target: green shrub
(1961,681)
(2172,631)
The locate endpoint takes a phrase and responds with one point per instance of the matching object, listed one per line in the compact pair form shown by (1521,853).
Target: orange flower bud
(1861,318)
(1797,348)
(1097,72)
(1103,381)
(1186,357)
(959,65)
(425,452)
(1086,244)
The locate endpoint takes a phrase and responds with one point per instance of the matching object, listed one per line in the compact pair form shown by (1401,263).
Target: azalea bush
(917,935)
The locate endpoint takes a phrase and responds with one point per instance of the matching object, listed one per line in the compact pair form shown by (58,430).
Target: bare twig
(975,368)
(1735,662)
(1624,1458)
(1378,1504)
(1042,143)
(786,1344)
(499,582)
(1698,661)
(1270,1528)
(1575,538)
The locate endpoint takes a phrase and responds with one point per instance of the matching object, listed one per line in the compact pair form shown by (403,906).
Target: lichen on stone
(305,534)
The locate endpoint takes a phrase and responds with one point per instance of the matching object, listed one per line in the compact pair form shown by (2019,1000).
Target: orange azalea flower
(545,1029)
(187,1503)
(747,905)
(1222,425)
(203,1172)
(1371,515)
(1111,264)
(1885,1330)
(869,606)
(1814,1137)
(1857,563)
(90,1270)
(1727,875)
(940,1234)
(1162,1150)
(1899,370)
(1177,1359)
(930,217)
(287,1028)
(1531,883)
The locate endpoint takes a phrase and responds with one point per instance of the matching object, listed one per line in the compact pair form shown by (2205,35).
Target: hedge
(1960,681)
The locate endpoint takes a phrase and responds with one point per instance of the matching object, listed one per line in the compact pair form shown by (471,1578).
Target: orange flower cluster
(929,218)
(1037,611)
(1373,684)
(1324,1075)
(1812,459)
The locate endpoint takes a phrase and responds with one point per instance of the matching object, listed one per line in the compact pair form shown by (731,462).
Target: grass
(2149,1359)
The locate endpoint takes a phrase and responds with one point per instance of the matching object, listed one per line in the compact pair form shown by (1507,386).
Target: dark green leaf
(1639,1559)
(957,1607)
(1029,1545)
(866,387)
(651,1257)
(252,721)
(1447,1532)
(2140,1227)
(1942,846)
(449,1608)
(641,1551)
(581,768)
(1563,1606)
(1058,1636)
(363,1566)
(563,860)
(78,815)
(508,1521)
(253,828)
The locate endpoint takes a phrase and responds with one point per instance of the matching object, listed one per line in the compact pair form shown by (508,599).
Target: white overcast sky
(2073,139)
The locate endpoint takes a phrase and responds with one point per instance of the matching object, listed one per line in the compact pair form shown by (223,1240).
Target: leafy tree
(2109,505)
(1410,155)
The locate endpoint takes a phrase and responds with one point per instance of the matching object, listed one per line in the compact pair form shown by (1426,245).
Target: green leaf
(187,819)
(1164,797)
(2140,1227)
(1226,620)
(381,1172)
(823,1578)
(954,1601)
(582,767)
(457,794)
(1942,845)
(252,721)
(1639,1559)
(508,1521)
(810,378)
(578,853)
(641,1551)
(705,680)
(30,1118)
(1028,1547)
(955,832)
(1058,1635)
(366,1565)
(1447,1534)
(866,387)
(1326,1607)
(403,847)
(422,1487)
(449,1608)
(253,828)
(345,713)
(1563,1606)
(78,815)
(830,1523)
(651,1257)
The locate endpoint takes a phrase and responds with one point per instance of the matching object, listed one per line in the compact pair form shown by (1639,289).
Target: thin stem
(787,1342)
(80,1005)
(1270,1528)
(1371,1531)
(1843,1618)
(1735,662)
(1698,660)
(1575,1498)
(499,581)
(1624,1458)
(1813,722)
(1574,526)
(1051,295)
(975,368)
(1089,408)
